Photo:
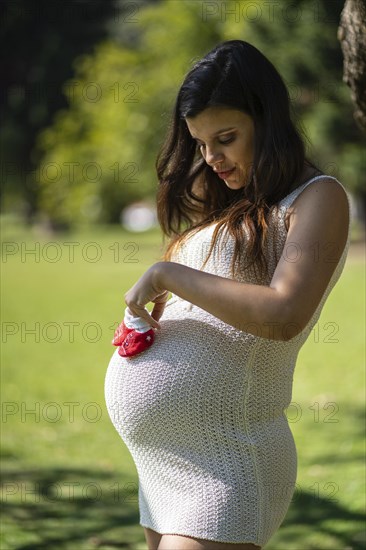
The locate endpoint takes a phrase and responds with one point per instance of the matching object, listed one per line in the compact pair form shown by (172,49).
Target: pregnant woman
(258,237)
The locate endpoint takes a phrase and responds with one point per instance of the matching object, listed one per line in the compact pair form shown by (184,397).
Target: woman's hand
(148,289)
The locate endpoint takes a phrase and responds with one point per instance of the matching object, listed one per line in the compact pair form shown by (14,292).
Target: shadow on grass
(86,509)
(310,514)
(69,508)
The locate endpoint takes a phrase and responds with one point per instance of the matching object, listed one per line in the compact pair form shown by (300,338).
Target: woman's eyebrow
(220,131)
(224,130)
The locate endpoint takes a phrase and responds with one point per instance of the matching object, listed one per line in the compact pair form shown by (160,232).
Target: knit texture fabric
(202,411)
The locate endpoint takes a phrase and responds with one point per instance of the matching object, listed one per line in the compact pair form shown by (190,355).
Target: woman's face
(226,140)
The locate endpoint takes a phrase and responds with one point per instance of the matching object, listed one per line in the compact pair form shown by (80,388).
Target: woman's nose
(213,156)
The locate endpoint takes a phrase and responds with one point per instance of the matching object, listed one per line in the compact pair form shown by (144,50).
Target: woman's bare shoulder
(326,191)
(323,194)
(323,205)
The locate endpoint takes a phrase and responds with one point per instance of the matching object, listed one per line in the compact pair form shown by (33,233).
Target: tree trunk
(352,36)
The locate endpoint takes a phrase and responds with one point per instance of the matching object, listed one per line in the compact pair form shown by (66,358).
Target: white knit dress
(202,410)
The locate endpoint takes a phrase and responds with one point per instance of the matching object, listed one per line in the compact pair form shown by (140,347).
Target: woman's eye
(227,140)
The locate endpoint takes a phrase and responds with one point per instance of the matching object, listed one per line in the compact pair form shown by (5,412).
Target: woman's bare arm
(317,234)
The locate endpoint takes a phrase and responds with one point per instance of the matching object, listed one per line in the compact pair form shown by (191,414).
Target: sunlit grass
(58,317)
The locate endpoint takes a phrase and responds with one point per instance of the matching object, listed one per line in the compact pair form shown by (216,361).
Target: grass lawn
(68,481)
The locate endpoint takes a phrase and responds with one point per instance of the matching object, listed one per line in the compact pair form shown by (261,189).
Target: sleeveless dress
(202,411)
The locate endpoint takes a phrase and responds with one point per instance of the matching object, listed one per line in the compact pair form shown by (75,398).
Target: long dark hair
(190,194)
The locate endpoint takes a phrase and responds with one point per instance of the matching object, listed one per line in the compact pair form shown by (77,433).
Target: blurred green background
(88,89)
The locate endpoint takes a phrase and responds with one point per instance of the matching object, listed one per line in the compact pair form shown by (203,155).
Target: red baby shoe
(136,342)
(120,334)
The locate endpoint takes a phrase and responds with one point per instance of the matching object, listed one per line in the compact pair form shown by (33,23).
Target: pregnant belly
(192,375)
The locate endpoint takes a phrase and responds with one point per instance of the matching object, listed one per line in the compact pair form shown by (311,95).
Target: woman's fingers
(159,305)
(140,311)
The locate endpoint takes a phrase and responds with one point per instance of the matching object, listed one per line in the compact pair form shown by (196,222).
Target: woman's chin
(234,185)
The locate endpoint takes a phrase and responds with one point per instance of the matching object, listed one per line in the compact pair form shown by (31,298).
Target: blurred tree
(41,39)
(99,155)
(352,35)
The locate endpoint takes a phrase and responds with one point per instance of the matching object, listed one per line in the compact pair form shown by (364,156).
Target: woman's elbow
(291,321)
(294,322)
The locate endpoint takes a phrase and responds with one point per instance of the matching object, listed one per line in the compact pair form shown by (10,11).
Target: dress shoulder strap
(289,199)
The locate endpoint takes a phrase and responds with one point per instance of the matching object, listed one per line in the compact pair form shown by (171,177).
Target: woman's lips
(224,175)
